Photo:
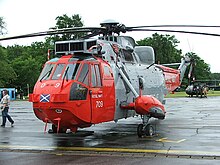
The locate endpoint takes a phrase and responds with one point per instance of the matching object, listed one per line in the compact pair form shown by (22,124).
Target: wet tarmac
(190,134)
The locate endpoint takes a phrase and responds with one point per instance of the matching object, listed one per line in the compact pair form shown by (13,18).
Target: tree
(38,51)
(2,26)
(27,71)
(6,72)
(27,62)
(65,21)
(215,76)
(165,48)
(202,69)
(14,52)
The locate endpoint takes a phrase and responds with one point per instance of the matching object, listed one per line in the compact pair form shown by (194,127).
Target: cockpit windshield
(58,71)
(71,71)
(46,72)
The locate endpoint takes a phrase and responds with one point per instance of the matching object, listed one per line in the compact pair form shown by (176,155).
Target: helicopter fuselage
(80,89)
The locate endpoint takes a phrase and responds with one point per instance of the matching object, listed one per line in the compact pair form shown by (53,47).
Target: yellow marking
(53,148)
(166,140)
(59,154)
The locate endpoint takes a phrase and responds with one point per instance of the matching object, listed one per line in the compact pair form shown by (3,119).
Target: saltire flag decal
(45,98)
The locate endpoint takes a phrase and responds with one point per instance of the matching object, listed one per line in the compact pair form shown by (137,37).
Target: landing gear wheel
(61,130)
(54,128)
(140,130)
(149,130)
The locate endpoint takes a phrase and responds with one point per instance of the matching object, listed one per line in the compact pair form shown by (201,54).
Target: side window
(84,75)
(128,56)
(96,77)
(93,82)
(107,71)
(78,92)
(58,71)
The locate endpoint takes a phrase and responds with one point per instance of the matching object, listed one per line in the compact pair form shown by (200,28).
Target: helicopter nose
(157,112)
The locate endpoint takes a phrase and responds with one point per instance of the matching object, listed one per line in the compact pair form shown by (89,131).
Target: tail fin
(185,61)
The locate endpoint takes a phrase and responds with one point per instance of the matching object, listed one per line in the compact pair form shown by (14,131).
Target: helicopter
(95,80)
(195,87)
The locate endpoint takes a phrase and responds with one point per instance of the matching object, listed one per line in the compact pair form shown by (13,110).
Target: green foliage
(15,51)
(65,21)
(21,65)
(202,69)
(2,26)
(7,74)
(215,76)
(38,51)
(27,71)
(164,47)
(166,52)
(27,62)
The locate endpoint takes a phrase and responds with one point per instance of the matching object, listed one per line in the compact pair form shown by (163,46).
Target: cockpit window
(107,71)
(46,72)
(84,75)
(96,77)
(128,56)
(78,92)
(145,54)
(58,71)
(72,71)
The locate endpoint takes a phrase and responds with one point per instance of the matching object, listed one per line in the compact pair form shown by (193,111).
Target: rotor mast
(112,27)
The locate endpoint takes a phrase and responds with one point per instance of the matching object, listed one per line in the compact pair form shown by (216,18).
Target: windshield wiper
(65,75)
(46,74)
(150,65)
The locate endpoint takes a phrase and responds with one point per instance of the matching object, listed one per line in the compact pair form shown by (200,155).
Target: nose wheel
(145,129)
(56,130)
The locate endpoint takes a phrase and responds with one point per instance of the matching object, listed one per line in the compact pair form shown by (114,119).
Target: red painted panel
(103,98)
(172,78)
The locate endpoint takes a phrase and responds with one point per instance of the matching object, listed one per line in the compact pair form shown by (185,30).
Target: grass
(183,94)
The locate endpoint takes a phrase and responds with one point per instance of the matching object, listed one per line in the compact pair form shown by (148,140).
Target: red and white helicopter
(95,80)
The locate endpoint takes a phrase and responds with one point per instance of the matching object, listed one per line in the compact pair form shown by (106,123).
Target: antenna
(190,48)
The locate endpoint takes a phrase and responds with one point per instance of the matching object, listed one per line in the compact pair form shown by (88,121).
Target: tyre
(140,130)
(61,130)
(149,130)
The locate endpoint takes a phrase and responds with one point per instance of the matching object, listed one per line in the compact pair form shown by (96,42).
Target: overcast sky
(27,16)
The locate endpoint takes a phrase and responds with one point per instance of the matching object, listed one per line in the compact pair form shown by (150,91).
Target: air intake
(71,47)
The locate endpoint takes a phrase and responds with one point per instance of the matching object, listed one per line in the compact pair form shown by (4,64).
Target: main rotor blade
(177,31)
(184,26)
(57,31)
(94,33)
